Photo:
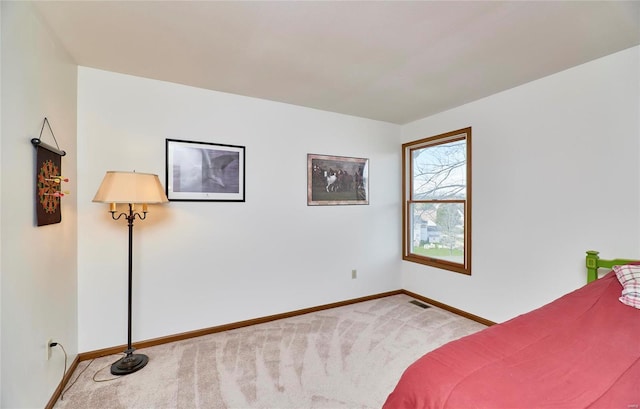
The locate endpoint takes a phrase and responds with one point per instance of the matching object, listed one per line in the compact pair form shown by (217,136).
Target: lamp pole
(130,362)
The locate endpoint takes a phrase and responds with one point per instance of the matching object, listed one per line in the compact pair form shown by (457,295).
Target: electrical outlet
(48,348)
(354,274)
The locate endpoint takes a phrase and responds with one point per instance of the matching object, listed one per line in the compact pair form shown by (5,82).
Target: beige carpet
(346,357)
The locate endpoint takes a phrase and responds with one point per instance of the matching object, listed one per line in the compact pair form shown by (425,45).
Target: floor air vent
(419,304)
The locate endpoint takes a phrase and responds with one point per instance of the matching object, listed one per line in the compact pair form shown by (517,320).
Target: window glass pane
(439,171)
(437,230)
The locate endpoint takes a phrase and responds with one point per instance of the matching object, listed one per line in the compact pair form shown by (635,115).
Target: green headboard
(594,262)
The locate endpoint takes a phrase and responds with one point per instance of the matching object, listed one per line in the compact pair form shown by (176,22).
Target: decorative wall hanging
(49,179)
(337,180)
(202,171)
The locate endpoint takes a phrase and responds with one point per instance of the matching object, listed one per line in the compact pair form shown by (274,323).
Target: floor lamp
(130,188)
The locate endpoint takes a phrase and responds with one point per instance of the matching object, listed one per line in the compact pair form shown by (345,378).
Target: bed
(580,351)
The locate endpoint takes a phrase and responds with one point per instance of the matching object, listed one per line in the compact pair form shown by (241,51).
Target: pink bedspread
(580,351)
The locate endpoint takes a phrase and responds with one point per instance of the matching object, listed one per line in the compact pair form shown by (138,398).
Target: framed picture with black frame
(204,171)
(337,180)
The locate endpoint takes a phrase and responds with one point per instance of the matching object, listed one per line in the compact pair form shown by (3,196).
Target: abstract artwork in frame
(337,180)
(203,171)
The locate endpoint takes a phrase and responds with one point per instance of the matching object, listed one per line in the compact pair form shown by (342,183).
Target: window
(436,215)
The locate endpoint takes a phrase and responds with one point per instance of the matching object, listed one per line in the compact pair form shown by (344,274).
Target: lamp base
(129,364)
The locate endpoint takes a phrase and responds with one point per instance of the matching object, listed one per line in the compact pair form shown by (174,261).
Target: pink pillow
(629,277)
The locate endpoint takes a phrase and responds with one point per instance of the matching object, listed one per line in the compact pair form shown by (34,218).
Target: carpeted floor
(346,357)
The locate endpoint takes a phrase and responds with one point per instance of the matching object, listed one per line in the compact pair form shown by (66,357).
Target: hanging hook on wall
(38,141)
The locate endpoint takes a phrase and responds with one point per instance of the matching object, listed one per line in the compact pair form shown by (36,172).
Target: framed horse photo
(337,180)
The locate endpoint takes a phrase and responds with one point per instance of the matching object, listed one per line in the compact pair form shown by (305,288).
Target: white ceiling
(393,61)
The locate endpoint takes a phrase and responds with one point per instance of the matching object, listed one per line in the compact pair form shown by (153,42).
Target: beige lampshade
(130,187)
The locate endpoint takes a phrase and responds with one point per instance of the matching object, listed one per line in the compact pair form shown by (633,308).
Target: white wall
(38,265)
(0,205)
(201,264)
(555,173)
